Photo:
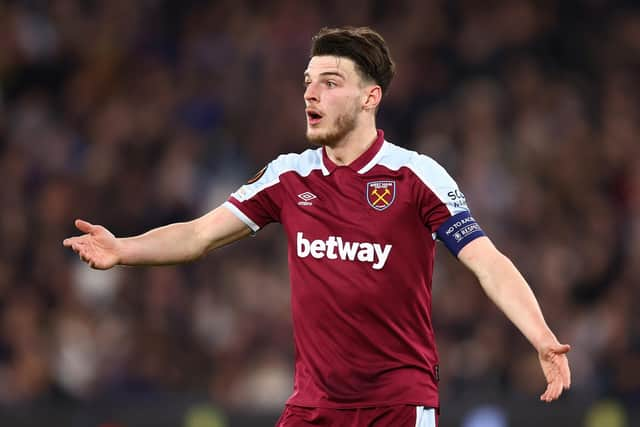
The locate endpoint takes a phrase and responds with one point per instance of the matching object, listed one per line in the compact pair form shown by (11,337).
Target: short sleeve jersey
(361,241)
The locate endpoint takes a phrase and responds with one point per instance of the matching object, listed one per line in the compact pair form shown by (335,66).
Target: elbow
(199,244)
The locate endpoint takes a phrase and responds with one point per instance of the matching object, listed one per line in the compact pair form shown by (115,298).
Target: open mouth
(313,117)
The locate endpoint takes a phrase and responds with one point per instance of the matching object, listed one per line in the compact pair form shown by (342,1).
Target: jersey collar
(362,164)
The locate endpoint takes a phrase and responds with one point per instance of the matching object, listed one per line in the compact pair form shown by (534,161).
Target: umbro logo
(306,198)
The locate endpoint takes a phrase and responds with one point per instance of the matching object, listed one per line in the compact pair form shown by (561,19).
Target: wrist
(121,251)
(545,341)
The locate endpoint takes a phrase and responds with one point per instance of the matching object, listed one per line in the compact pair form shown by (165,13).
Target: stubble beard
(344,124)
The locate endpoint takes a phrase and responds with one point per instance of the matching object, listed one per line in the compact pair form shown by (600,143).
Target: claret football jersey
(361,252)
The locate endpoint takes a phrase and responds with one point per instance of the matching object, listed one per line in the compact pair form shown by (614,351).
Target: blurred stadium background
(133,114)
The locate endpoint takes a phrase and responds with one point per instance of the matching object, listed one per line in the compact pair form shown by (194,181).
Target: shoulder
(301,163)
(429,175)
(425,168)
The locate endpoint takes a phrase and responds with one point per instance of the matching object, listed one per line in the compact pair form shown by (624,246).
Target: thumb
(561,348)
(84,226)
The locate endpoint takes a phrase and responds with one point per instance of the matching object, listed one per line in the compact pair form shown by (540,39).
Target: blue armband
(458,231)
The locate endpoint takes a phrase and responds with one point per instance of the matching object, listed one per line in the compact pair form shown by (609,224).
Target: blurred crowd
(137,114)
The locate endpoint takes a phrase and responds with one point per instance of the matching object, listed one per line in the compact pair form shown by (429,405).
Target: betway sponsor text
(336,248)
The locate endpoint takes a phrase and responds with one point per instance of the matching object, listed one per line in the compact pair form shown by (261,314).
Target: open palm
(97,247)
(555,366)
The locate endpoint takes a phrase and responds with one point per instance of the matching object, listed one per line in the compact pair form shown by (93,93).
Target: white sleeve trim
(425,417)
(302,164)
(428,171)
(436,178)
(241,216)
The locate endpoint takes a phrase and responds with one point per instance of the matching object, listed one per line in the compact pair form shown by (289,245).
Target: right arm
(170,244)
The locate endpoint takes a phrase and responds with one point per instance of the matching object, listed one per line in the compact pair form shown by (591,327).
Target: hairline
(364,77)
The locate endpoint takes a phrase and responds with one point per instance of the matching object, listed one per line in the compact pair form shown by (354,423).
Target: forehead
(331,64)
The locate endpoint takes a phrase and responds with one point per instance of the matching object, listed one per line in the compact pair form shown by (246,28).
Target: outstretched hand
(97,247)
(555,366)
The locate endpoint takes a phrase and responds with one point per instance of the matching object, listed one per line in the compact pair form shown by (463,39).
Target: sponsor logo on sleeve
(457,198)
(381,194)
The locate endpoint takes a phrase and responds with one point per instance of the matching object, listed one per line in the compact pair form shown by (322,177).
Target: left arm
(506,287)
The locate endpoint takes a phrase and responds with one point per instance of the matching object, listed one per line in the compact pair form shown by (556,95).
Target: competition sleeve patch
(458,231)
(257,176)
(256,202)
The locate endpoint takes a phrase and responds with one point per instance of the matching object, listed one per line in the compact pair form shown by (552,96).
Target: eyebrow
(327,73)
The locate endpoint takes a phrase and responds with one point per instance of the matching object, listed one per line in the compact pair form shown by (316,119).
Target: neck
(352,145)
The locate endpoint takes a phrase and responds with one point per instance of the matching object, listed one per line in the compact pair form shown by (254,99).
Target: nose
(311,93)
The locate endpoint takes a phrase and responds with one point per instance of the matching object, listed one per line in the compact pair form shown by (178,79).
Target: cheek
(340,105)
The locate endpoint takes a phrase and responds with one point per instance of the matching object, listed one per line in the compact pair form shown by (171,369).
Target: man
(361,216)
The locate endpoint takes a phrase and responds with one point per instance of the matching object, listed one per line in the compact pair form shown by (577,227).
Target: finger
(70,241)
(545,396)
(84,226)
(554,384)
(554,389)
(84,255)
(78,246)
(563,370)
(548,394)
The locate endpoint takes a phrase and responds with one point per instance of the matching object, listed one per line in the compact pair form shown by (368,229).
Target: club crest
(381,194)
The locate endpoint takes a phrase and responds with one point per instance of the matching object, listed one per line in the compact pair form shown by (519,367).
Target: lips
(313,116)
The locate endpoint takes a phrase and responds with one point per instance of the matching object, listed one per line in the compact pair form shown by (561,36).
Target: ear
(372,95)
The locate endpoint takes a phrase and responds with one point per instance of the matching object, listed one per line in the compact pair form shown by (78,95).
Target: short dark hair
(363,45)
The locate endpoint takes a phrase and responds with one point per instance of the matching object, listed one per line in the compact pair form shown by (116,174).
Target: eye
(331,83)
(306,83)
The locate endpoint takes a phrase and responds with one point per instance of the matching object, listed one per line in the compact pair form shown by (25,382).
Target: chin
(318,137)
(331,133)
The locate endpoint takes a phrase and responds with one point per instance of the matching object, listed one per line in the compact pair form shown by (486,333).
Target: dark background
(133,114)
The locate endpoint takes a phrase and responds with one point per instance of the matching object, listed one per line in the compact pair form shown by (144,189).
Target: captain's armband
(458,231)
